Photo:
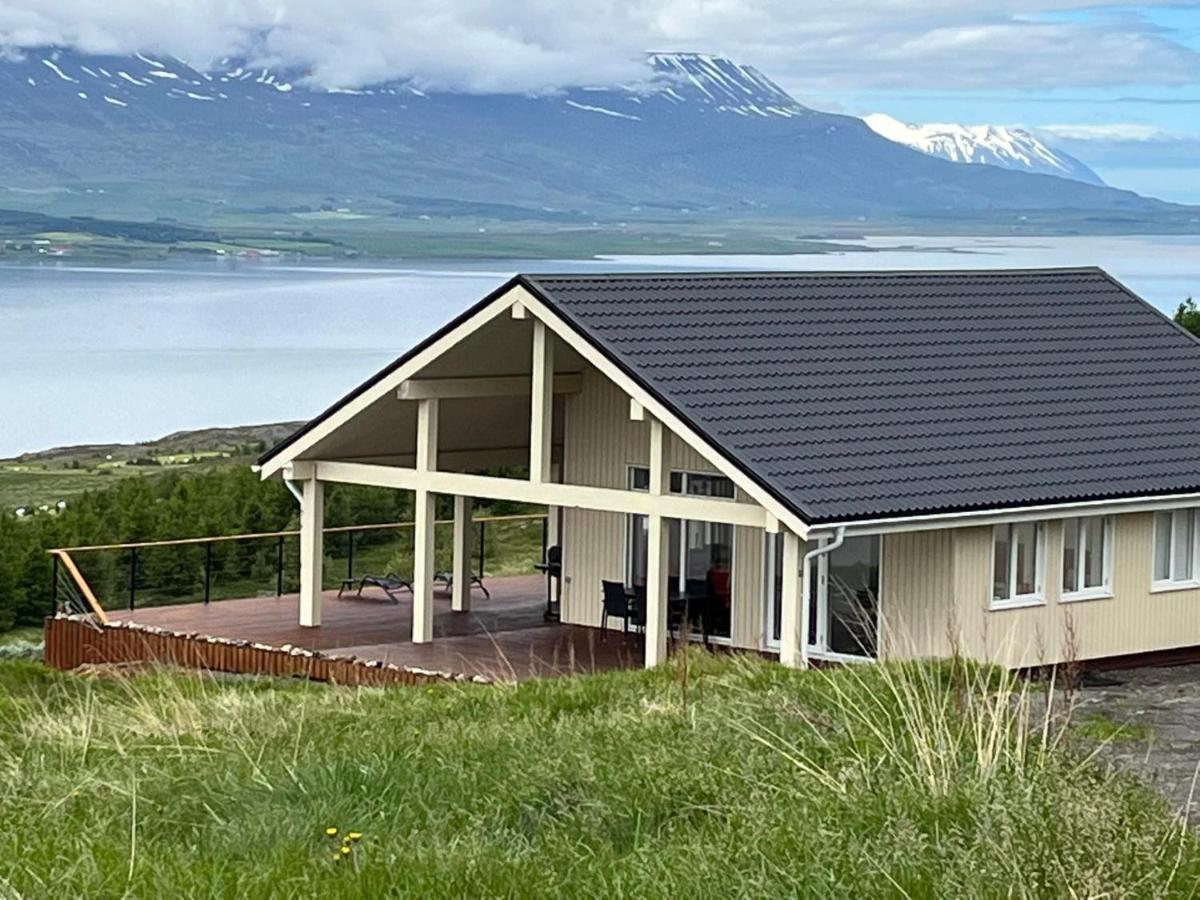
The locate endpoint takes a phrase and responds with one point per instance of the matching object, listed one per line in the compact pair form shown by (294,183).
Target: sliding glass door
(843,609)
(700,555)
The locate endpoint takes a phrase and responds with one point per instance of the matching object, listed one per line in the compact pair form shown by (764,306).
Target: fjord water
(95,354)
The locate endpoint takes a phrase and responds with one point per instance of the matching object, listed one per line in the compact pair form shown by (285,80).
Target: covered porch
(509,403)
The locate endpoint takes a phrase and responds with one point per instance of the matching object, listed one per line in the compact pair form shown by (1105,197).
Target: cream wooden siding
(600,443)
(938,583)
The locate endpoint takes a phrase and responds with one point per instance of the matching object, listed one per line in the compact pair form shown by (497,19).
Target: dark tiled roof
(868,395)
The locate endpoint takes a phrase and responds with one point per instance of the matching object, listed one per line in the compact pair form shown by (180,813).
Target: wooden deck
(503,637)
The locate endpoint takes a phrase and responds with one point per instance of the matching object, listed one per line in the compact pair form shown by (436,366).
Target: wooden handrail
(85,589)
(336,529)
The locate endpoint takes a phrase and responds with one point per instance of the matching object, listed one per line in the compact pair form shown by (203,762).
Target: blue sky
(1138,132)
(1117,85)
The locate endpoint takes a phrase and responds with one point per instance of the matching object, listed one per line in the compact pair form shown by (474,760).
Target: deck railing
(91,577)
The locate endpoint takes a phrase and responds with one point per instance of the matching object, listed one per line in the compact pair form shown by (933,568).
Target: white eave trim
(1011,514)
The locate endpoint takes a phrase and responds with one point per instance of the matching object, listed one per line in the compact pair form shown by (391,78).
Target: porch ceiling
(473,432)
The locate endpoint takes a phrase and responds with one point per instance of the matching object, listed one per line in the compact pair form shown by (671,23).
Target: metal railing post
(132,576)
(207,571)
(54,585)
(545,536)
(482,551)
(279,567)
(350,554)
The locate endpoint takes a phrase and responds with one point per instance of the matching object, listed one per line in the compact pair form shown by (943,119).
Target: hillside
(739,774)
(46,477)
(703,139)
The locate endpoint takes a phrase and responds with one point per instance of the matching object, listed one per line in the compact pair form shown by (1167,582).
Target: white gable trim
(387,386)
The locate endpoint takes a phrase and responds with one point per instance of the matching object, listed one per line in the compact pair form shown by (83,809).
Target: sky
(1115,84)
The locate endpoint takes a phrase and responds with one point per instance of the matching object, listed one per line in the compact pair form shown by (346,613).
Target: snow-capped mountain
(700,136)
(994,145)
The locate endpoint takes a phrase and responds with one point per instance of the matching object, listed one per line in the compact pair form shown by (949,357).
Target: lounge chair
(447,578)
(391,584)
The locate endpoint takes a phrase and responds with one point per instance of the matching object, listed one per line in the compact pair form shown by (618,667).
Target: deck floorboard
(502,637)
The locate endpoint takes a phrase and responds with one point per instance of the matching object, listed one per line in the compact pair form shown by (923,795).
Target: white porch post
(793,619)
(312,551)
(657,552)
(460,600)
(423,528)
(542,408)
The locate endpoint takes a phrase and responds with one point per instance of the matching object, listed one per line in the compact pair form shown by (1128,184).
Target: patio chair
(447,579)
(391,584)
(617,605)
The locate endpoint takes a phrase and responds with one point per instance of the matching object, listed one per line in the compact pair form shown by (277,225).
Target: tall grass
(706,777)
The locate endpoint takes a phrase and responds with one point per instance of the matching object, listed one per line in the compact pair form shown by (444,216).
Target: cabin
(819,466)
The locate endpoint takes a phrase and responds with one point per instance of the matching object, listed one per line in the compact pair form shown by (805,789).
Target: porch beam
(657,551)
(542,403)
(423,524)
(571,496)
(482,386)
(460,592)
(793,618)
(312,551)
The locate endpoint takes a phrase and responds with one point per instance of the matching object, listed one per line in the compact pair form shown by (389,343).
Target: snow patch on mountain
(995,145)
(719,83)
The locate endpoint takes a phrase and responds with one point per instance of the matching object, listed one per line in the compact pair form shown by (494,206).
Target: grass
(1103,728)
(706,777)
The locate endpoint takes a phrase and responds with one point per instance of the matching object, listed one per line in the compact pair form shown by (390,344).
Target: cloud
(1117,131)
(540,45)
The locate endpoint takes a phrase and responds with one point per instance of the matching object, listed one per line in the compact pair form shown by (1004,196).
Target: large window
(699,555)
(1087,557)
(843,616)
(1017,554)
(1175,550)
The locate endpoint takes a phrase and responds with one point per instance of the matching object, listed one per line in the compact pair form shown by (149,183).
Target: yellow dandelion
(345,851)
(331,831)
(336,857)
(354,836)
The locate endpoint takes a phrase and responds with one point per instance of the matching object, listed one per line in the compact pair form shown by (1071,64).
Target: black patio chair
(617,605)
(391,584)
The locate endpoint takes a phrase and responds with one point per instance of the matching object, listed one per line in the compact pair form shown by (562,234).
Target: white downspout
(839,537)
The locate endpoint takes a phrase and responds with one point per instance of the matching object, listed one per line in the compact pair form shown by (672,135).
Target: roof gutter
(970,518)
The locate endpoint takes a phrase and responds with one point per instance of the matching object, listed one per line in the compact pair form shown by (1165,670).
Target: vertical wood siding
(600,443)
(938,584)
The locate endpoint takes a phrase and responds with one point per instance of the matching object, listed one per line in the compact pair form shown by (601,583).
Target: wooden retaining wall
(73,641)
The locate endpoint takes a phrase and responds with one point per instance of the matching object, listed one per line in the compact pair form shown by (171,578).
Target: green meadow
(708,777)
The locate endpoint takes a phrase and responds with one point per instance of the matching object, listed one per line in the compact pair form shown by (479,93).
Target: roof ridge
(684,274)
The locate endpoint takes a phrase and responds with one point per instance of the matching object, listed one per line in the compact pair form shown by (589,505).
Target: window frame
(1095,592)
(1017,601)
(1172,583)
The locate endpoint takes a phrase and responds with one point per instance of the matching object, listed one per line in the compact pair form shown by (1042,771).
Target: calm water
(99,354)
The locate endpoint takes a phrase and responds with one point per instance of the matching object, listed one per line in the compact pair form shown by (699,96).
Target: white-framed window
(1087,557)
(1018,556)
(1176,540)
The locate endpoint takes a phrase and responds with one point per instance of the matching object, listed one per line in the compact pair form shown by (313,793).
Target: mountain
(700,138)
(993,145)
